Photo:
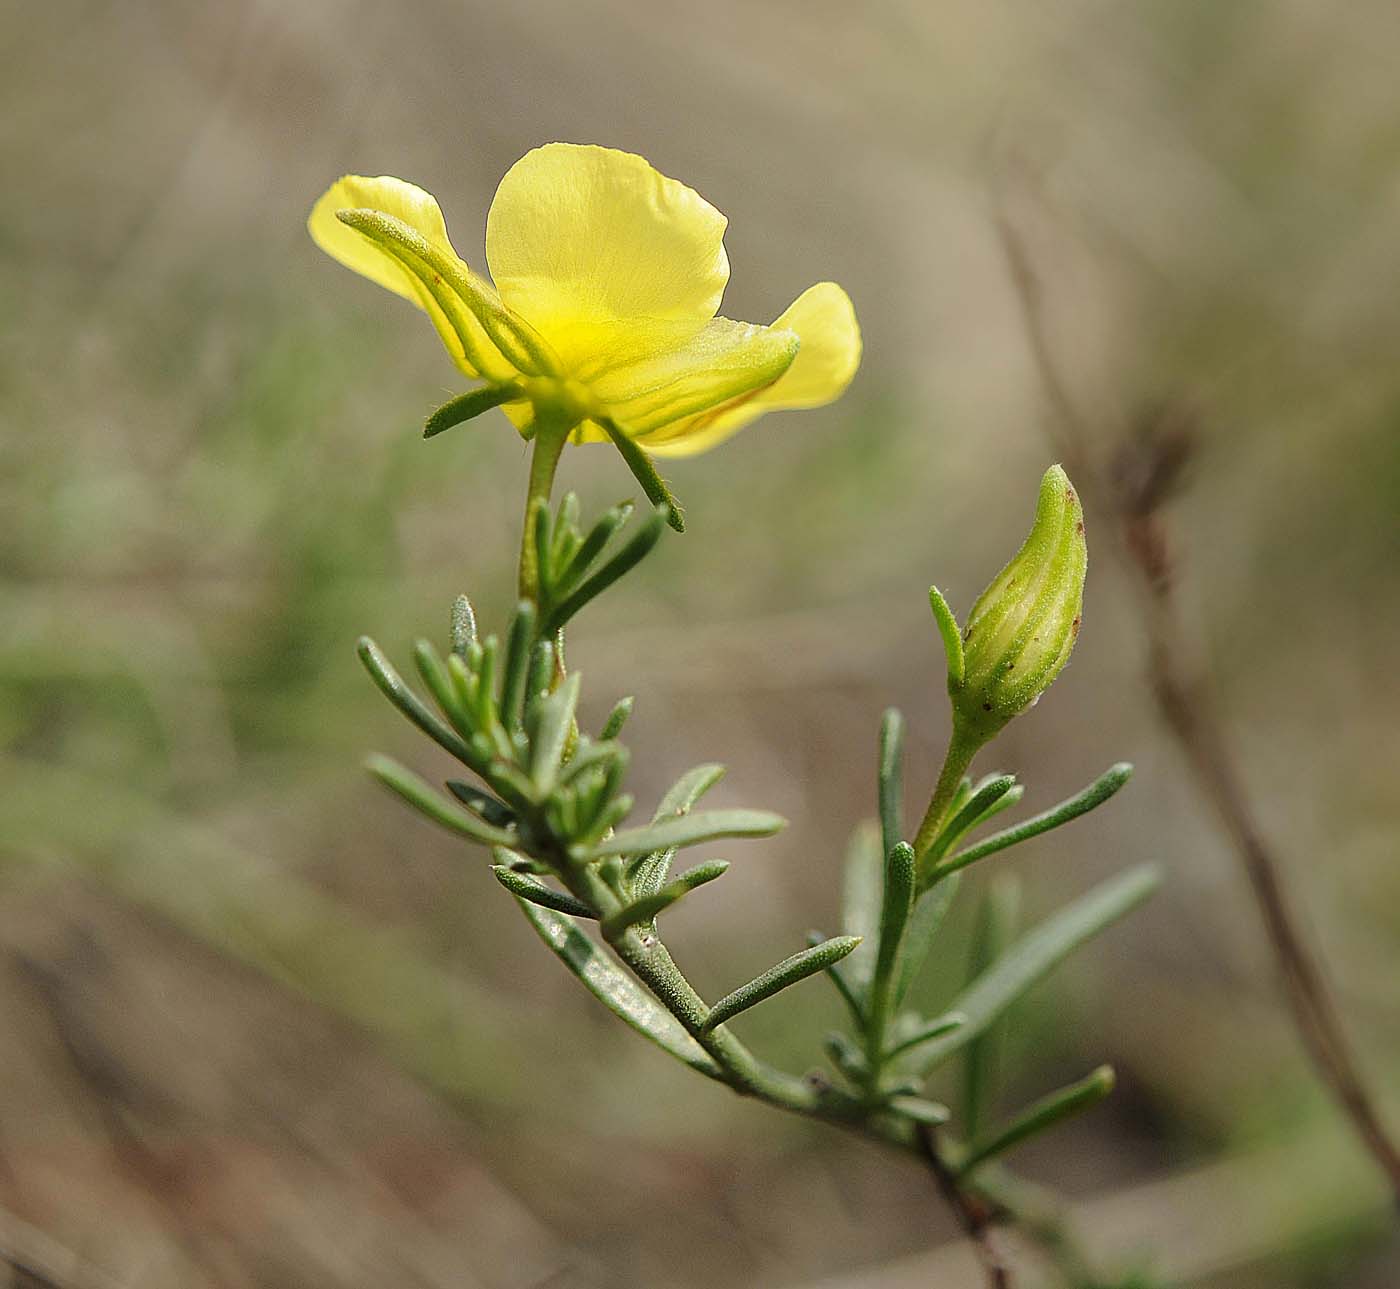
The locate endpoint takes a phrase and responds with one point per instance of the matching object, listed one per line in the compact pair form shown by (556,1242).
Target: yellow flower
(607,278)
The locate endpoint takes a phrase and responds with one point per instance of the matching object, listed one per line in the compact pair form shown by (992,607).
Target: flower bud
(1020,632)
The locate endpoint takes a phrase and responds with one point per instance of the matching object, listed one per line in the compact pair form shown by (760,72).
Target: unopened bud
(1020,632)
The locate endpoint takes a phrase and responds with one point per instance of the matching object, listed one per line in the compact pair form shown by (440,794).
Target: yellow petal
(420,211)
(579,236)
(825,322)
(723,361)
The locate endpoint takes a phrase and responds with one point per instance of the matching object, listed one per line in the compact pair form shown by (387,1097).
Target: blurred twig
(975,1216)
(1132,491)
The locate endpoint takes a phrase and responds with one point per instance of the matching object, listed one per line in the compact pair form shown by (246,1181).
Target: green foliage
(552,810)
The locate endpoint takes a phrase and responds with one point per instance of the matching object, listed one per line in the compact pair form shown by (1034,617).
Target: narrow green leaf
(645,908)
(935,1028)
(952,636)
(891,780)
(598,537)
(921,1110)
(434,675)
(505,857)
(1040,1115)
(895,906)
(550,721)
(777,978)
(632,552)
(588,754)
(862,886)
(983,797)
(534,890)
(539,520)
(517,670)
(846,1057)
(1037,953)
(471,404)
(482,804)
(843,987)
(997,919)
(617,718)
(687,790)
(645,473)
(421,796)
(651,870)
(930,908)
(463,626)
(1093,796)
(690,830)
(615,989)
(391,685)
(541,674)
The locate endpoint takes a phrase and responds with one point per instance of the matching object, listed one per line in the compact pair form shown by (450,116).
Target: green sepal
(467,406)
(518,342)
(652,484)
(951,635)
(777,978)
(1036,954)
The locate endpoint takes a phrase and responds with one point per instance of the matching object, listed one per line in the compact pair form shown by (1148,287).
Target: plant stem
(1133,495)
(551,433)
(972,1211)
(650,961)
(955,763)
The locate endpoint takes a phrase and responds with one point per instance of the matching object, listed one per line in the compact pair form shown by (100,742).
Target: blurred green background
(260,1026)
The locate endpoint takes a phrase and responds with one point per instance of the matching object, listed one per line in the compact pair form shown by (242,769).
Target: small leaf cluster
(898,898)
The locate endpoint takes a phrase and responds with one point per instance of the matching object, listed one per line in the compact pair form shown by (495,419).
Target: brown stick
(1133,494)
(974,1215)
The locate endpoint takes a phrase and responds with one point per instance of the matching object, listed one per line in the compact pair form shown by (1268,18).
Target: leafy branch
(547,802)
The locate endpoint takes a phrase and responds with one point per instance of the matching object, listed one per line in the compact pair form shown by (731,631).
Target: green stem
(550,436)
(650,961)
(961,750)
